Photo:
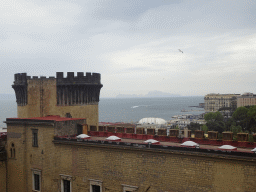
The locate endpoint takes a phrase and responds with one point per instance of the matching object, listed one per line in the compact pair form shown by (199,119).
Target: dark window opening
(66,185)
(79,129)
(35,138)
(95,188)
(12,151)
(68,115)
(36,182)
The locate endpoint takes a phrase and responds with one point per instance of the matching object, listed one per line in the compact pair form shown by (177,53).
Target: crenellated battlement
(78,90)
(71,90)
(94,78)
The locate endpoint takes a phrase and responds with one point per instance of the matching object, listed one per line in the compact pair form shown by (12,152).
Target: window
(66,183)
(129,188)
(36,180)
(12,151)
(35,137)
(79,129)
(95,185)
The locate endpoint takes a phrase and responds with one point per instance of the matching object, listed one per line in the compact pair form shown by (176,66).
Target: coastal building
(213,102)
(182,121)
(246,99)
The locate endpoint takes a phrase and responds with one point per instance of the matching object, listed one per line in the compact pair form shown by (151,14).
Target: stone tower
(71,96)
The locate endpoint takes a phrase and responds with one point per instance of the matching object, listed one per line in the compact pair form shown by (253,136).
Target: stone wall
(3,176)
(63,128)
(156,171)
(16,165)
(42,101)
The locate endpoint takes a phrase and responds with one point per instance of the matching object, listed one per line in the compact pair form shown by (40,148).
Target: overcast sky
(133,43)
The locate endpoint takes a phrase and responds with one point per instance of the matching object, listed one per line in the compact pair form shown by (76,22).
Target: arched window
(12,151)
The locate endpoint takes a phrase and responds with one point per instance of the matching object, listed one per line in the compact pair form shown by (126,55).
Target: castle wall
(157,171)
(42,102)
(3,176)
(114,166)
(28,157)
(16,165)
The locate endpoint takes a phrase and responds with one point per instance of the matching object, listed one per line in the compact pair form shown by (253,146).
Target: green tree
(213,117)
(229,123)
(205,128)
(235,130)
(215,121)
(252,118)
(194,126)
(241,118)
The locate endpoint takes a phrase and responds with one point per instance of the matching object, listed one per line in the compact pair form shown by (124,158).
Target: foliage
(194,126)
(250,138)
(205,129)
(252,112)
(215,121)
(246,118)
(241,117)
(213,117)
(235,130)
(229,123)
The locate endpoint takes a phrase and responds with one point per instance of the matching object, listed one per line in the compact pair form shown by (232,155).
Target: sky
(134,44)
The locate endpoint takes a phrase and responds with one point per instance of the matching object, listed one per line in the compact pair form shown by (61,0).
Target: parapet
(71,90)
(78,90)
(88,78)
(21,78)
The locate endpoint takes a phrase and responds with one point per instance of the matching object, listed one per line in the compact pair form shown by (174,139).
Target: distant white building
(3,129)
(152,121)
(183,121)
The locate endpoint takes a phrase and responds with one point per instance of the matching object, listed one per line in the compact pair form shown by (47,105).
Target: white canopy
(151,141)
(113,138)
(82,136)
(152,120)
(190,144)
(227,147)
(254,150)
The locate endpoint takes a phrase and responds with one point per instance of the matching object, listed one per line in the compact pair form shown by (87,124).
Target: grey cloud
(133,40)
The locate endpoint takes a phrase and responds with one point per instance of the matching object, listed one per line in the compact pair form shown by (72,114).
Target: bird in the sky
(180,51)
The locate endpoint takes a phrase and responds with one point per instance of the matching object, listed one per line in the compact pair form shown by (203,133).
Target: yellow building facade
(213,102)
(247,99)
(52,163)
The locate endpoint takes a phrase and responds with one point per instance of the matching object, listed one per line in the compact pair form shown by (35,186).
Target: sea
(129,110)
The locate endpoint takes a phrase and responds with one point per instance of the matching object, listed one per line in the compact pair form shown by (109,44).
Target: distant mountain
(149,94)
(7,97)
(161,94)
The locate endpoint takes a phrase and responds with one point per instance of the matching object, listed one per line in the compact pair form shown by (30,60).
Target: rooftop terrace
(163,146)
